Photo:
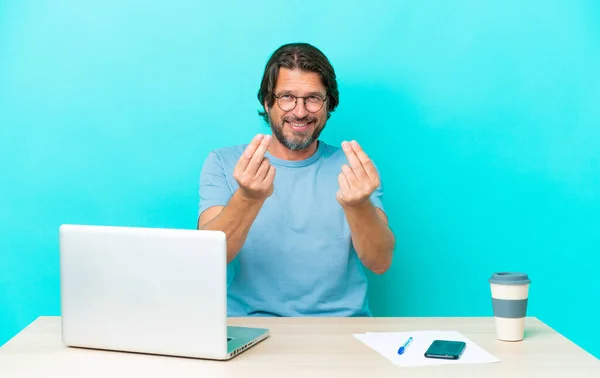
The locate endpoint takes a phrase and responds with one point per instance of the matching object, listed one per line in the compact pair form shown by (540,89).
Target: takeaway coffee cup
(510,292)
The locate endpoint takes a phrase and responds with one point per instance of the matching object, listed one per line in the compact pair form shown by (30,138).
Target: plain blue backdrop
(482,116)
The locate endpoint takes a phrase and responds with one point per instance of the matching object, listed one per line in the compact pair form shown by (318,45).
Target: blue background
(482,116)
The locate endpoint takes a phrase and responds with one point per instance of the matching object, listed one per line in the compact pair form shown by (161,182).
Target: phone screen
(445,349)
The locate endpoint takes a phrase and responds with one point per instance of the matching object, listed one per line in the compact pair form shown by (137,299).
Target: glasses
(313,103)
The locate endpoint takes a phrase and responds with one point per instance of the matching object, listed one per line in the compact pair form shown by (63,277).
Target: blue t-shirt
(298,258)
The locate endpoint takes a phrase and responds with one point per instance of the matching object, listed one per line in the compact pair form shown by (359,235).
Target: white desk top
(304,347)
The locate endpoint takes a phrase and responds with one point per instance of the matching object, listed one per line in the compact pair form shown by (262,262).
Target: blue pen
(406,344)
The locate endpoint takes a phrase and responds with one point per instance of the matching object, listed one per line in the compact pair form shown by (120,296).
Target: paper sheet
(387,344)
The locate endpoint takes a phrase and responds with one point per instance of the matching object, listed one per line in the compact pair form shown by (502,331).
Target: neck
(279,151)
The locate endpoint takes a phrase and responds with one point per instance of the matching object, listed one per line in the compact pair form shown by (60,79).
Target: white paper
(387,344)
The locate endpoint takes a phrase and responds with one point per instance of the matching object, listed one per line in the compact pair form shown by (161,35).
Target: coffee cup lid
(510,278)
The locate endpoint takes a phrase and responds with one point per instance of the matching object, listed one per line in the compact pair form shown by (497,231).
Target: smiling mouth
(299,126)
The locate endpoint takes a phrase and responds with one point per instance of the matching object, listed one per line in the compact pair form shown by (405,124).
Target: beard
(298,140)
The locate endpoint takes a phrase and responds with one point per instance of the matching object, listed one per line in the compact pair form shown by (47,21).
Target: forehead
(298,81)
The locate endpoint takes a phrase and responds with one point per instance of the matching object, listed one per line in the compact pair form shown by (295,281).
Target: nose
(300,110)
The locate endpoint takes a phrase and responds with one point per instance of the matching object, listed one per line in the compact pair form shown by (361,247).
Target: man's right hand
(253,172)
(255,177)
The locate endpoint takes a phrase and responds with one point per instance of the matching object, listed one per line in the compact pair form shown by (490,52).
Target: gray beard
(294,144)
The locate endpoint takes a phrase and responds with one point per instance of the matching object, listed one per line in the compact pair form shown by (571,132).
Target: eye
(314,99)
(287,97)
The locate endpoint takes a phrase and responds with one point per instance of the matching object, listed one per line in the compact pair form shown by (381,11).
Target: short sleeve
(377,195)
(214,189)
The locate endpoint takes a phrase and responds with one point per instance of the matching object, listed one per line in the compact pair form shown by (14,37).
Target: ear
(266,106)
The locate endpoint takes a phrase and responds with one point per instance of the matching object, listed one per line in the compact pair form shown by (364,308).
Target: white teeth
(298,124)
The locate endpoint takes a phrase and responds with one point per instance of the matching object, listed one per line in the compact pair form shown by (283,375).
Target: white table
(304,347)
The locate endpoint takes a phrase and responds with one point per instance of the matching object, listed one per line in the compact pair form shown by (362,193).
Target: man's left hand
(358,180)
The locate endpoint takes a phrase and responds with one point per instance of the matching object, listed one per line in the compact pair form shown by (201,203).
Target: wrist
(247,200)
(357,207)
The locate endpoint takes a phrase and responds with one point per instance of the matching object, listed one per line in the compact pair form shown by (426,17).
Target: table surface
(305,347)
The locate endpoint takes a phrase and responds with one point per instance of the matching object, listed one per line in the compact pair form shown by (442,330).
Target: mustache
(299,120)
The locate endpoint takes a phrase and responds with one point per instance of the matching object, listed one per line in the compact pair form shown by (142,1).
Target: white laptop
(148,290)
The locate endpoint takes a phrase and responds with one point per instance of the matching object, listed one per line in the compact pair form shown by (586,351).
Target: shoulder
(226,156)
(331,152)
(336,155)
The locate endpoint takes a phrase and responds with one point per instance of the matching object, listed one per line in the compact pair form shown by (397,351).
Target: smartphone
(451,350)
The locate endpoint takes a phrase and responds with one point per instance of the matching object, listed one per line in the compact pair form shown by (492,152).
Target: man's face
(298,128)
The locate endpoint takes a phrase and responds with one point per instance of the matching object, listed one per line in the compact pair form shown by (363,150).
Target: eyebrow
(286,92)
